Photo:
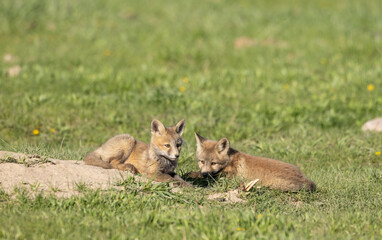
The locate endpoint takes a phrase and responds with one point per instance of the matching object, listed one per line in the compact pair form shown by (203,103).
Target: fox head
(212,156)
(166,142)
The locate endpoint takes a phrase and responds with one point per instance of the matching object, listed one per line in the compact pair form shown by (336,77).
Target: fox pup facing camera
(217,157)
(156,160)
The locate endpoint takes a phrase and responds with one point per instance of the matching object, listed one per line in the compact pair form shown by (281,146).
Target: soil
(59,177)
(232,196)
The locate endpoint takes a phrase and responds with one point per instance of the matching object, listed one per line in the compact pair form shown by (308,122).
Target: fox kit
(216,157)
(156,160)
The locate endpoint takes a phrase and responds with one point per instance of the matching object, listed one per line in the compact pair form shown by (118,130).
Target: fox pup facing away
(156,160)
(217,157)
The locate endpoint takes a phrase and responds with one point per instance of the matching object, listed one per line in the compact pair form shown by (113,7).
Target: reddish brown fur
(218,157)
(156,160)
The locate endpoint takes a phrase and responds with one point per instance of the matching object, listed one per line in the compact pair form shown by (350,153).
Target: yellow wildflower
(36,132)
(182,89)
(259,216)
(52,130)
(240,229)
(107,53)
(370,87)
(286,86)
(185,80)
(378,153)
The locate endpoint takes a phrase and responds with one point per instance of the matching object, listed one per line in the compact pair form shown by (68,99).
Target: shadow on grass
(200,181)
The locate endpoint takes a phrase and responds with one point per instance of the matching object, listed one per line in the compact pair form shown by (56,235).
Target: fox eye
(201,161)
(167,145)
(213,163)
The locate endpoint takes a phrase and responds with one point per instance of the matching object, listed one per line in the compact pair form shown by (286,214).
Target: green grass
(94,69)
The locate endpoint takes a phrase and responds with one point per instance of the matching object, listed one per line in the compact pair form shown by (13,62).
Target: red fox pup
(216,157)
(156,160)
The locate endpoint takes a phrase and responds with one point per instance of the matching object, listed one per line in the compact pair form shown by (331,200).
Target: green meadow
(289,80)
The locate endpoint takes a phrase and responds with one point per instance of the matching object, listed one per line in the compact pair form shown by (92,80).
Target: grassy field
(290,80)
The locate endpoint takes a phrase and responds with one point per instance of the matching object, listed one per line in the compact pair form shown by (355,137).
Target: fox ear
(179,127)
(199,139)
(223,145)
(157,127)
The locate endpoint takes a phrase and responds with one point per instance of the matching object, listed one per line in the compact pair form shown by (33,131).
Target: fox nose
(177,155)
(204,174)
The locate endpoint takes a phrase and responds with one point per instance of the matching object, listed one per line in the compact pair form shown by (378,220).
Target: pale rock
(373,125)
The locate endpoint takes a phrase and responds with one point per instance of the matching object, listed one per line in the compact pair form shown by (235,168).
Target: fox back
(215,157)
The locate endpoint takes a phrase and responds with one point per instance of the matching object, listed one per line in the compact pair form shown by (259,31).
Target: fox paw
(183,184)
(194,175)
(131,169)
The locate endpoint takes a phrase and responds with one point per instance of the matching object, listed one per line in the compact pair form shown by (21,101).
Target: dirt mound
(62,178)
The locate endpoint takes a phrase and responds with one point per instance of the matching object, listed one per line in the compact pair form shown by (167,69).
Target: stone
(373,125)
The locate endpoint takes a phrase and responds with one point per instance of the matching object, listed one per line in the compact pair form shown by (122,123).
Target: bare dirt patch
(62,178)
(246,42)
(232,196)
